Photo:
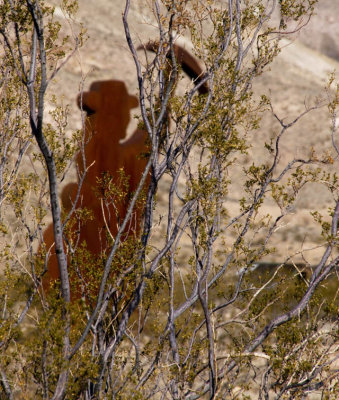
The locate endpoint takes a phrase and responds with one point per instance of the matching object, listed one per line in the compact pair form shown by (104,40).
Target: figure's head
(109,103)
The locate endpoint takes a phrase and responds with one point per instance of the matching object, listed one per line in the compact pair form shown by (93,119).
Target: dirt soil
(295,80)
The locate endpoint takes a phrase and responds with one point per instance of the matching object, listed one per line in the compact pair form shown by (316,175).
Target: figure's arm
(189,63)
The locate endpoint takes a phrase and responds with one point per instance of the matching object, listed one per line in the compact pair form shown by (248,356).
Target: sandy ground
(297,77)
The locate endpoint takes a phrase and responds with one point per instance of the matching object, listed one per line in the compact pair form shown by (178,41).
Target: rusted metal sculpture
(108,106)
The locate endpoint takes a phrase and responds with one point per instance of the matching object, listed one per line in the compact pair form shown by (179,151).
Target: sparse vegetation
(187,310)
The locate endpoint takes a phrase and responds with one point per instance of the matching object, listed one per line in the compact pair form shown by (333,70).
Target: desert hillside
(295,80)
